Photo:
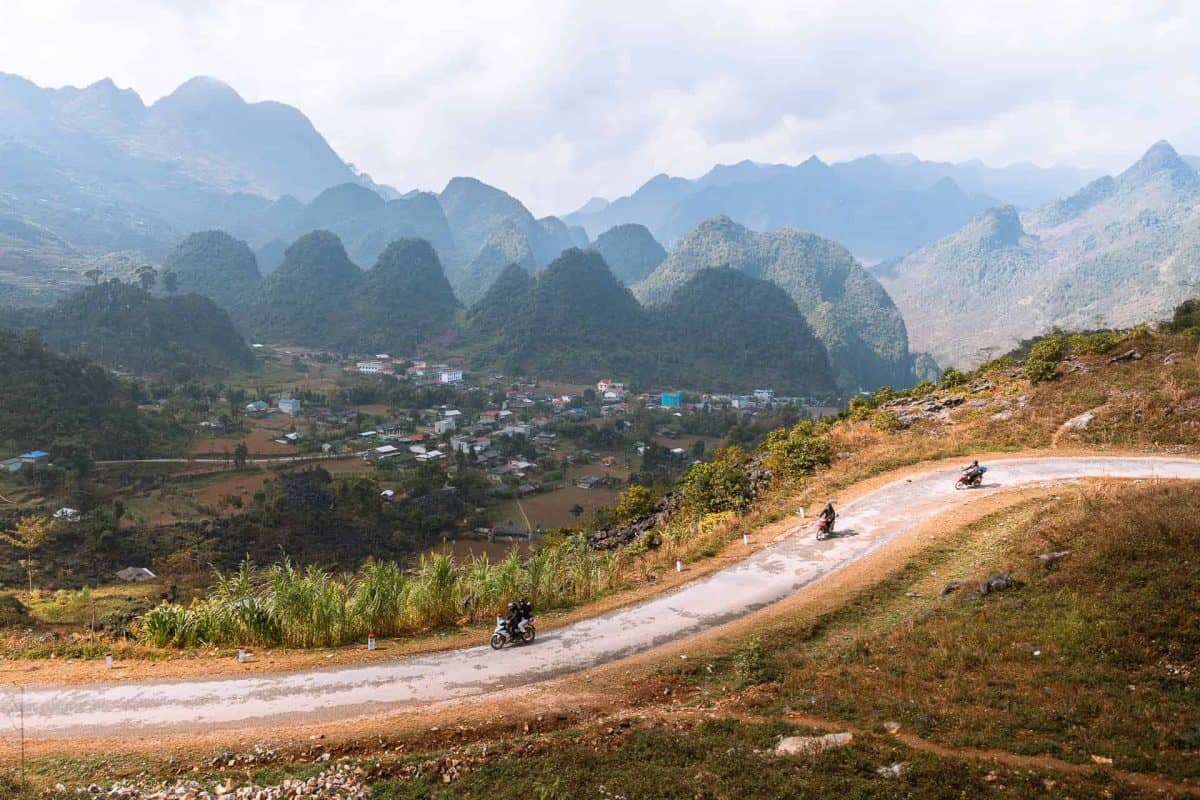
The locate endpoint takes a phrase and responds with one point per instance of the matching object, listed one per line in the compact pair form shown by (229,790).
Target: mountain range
(1122,249)
(88,172)
(878,206)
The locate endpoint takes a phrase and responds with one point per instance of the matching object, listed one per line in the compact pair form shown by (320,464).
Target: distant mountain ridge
(847,308)
(319,297)
(878,206)
(1120,250)
(575,321)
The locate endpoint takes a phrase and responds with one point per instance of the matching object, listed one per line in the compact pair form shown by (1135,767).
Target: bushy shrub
(1082,344)
(633,504)
(953,377)
(885,420)
(860,408)
(1042,362)
(719,485)
(797,451)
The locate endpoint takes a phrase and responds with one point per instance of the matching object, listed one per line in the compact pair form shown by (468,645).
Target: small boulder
(951,587)
(1048,559)
(891,770)
(1080,422)
(809,745)
(1132,354)
(996,582)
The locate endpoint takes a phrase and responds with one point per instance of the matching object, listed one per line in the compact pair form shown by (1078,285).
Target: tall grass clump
(381,597)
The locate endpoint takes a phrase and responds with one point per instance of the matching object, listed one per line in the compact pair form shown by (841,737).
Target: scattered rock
(1132,354)
(808,745)
(892,727)
(996,582)
(1103,761)
(891,770)
(951,587)
(1080,422)
(344,782)
(1048,559)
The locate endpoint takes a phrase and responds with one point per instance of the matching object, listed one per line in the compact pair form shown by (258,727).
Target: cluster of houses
(414,369)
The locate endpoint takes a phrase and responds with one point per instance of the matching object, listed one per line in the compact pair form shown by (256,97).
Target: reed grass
(286,606)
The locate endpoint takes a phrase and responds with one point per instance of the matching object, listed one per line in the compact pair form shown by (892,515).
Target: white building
(450,376)
(444,425)
(369,367)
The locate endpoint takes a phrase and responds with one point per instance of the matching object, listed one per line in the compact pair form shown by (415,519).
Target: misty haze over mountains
(878,206)
(93,178)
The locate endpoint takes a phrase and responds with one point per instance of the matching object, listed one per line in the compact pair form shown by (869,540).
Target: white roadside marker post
(679,565)
(371,641)
(108,662)
(241,655)
(745,538)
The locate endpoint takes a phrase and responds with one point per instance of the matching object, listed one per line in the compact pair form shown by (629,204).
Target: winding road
(777,571)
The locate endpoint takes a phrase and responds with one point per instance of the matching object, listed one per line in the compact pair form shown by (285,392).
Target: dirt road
(795,560)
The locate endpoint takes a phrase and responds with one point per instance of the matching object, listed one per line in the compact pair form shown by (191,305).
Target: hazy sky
(558,101)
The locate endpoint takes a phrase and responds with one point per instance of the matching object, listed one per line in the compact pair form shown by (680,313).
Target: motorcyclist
(512,619)
(972,472)
(526,609)
(827,517)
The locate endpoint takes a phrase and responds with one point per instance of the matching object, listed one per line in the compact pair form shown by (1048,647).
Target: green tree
(240,454)
(146,277)
(28,536)
(170,282)
(634,503)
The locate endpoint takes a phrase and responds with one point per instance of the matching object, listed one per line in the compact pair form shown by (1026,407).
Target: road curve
(769,575)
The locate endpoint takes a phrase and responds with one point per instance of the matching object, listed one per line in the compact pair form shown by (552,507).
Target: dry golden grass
(1097,656)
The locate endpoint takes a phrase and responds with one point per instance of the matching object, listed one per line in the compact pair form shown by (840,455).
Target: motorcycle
(967,480)
(524,635)
(824,528)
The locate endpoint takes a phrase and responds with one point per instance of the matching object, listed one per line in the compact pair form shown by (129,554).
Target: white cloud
(556,102)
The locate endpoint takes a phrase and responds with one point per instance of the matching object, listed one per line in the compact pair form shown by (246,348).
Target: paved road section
(771,574)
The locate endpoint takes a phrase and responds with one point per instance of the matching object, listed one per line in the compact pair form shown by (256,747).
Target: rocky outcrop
(617,536)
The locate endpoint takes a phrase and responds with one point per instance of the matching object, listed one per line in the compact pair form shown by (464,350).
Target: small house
(671,400)
(35,457)
(257,407)
(289,405)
